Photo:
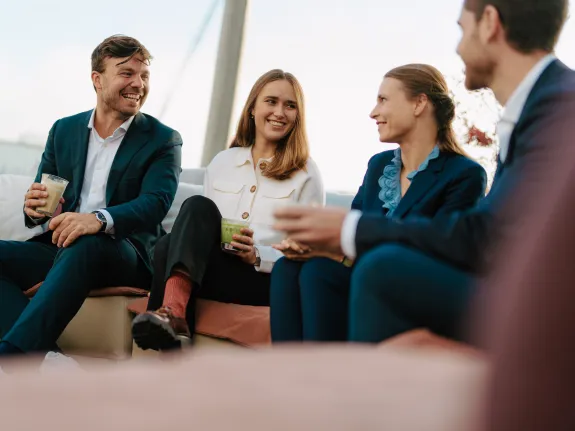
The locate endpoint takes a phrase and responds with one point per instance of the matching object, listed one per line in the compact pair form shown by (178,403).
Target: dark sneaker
(160,330)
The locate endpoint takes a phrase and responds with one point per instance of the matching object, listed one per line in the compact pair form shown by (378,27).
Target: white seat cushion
(12,190)
(185,190)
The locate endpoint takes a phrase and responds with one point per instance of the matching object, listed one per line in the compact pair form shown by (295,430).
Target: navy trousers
(69,274)
(390,290)
(395,289)
(309,300)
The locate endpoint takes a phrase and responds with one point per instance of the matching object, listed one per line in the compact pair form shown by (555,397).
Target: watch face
(101,219)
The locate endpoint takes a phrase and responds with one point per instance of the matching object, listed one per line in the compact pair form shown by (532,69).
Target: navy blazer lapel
(79,152)
(135,139)
(422,182)
(549,75)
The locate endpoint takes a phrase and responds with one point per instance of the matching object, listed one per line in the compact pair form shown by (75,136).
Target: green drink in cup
(229,228)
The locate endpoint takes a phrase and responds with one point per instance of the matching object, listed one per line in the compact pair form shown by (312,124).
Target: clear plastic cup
(229,228)
(55,186)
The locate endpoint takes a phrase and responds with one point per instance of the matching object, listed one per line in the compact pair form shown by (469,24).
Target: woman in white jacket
(267,165)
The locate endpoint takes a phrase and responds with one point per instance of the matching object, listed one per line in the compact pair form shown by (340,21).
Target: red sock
(178,292)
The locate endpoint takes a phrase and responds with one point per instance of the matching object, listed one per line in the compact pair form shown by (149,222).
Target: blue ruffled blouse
(390,184)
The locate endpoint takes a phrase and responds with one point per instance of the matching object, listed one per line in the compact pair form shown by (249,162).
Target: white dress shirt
(243,193)
(509,118)
(515,104)
(99,159)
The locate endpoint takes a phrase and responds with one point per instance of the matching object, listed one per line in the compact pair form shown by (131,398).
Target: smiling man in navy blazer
(123,168)
(421,272)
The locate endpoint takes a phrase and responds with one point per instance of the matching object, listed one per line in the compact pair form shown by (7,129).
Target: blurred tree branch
(476,117)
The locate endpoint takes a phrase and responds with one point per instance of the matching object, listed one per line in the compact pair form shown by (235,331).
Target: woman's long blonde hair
(292,151)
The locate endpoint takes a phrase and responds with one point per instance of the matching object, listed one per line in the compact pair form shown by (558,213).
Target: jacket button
(263,165)
(253,189)
(245,215)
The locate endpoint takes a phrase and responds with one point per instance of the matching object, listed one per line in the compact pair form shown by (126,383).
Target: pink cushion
(242,324)
(425,339)
(105,291)
(245,325)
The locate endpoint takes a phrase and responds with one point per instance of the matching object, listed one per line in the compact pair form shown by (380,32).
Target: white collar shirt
(514,107)
(100,156)
(240,190)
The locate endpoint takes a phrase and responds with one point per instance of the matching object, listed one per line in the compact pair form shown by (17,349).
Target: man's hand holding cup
(36,197)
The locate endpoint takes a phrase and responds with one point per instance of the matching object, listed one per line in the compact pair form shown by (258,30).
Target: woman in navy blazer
(429,174)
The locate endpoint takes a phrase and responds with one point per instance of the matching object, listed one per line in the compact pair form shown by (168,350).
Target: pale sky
(338,49)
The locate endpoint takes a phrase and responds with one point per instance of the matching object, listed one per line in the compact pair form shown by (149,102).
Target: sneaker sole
(152,333)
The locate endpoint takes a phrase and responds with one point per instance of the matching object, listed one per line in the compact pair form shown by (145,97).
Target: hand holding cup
(244,243)
(238,239)
(36,197)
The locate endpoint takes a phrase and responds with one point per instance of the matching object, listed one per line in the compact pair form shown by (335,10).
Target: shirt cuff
(268,256)
(109,222)
(348,230)
(36,221)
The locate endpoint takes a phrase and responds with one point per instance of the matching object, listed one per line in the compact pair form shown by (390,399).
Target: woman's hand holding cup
(244,243)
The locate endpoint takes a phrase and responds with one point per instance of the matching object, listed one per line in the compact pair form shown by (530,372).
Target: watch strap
(102,219)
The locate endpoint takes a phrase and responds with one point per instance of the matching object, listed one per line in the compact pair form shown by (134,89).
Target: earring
(252,116)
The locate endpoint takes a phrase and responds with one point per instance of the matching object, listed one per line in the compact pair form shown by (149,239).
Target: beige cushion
(102,329)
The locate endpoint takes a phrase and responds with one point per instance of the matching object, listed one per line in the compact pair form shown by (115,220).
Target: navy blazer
(463,239)
(450,182)
(142,182)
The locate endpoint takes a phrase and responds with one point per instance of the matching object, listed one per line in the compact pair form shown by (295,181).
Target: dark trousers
(391,289)
(395,289)
(309,300)
(69,274)
(194,244)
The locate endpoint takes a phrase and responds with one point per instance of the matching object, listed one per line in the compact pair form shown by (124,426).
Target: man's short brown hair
(117,46)
(529,25)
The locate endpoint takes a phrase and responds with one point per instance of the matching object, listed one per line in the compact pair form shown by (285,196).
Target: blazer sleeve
(357,203)
(47,166)
(465,190)
(156,194)
(462,238)
(456,238)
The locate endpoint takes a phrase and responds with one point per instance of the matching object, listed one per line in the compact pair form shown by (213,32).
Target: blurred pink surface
(328,388)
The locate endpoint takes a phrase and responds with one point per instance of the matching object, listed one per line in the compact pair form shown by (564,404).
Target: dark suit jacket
(524,309)
(142,181)
(462,238)
(450,182)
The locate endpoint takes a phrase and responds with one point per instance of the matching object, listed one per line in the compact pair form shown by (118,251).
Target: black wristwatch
(102,219)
